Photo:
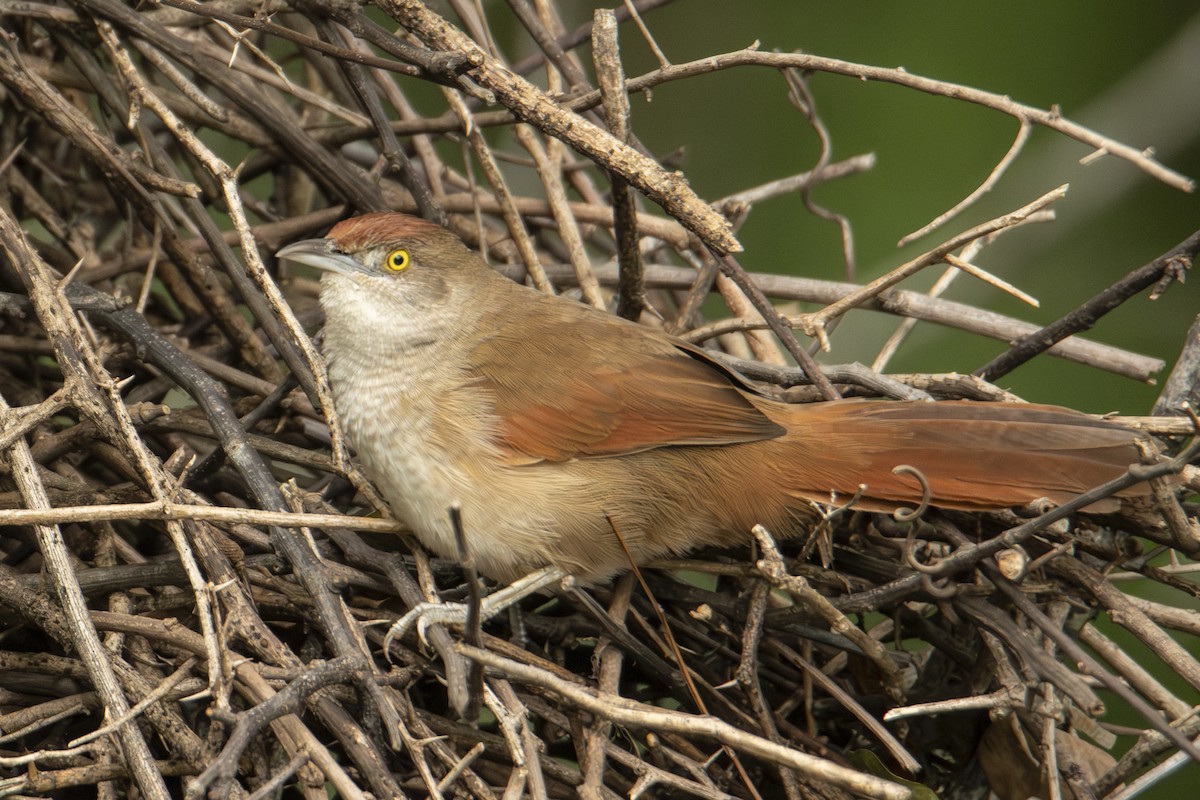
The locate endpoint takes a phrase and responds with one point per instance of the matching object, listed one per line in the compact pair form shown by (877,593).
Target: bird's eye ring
(397,260)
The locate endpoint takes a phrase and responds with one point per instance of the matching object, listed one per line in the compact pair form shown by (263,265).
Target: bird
(578,441)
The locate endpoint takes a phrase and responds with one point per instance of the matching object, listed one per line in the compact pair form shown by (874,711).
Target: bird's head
(391,280)
(390,254)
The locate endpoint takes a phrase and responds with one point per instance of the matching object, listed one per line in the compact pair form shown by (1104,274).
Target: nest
(197,596)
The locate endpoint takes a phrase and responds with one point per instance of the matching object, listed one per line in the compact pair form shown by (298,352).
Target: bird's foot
(426,614)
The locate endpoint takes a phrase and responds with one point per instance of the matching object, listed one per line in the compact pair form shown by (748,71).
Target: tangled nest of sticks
(187,608)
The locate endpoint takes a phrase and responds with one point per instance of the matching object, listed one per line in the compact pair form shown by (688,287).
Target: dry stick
(273,76)
(673,644)
(1138,786)
(356,77)
(439,67)
(701,285)
(1182,389)
(761,344)
(520,781)
(772,567)
(1051,118)
(553,715)
(527,739)
(451,777)
(806,104)
(182,82)
(734,271)
(297,737)
(265,108)
(571,40)
(168,510)
(631,293)
(420,739)
(963,265)
(39,609)
(647,717)
(260,24)
(781,186)
(1049,749)
(959,264)
(816,324)
(83,635)
(211,298)
(1171,266)
(1036,665)
(422,144)
(532,106)
(636,16)
(56,314)
(611,659)
(504,198)
(142,94)
(274,234)
(969,554)
(988,184)
(248,725)
(16,422)
(40,783)
(940,286)
(64,117)
(276,312)
(650,775)
(548,44)
(1137,676)
(1146,750)
(207,285)
(747,675)
(1167,499)
(1001,698)
(473,625)
(1086,662)
(868,719)
(405,587)
(359,749)
(550,171)
(1130,617)
(332,614)
(548,17)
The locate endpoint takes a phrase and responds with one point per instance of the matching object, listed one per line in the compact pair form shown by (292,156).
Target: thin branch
(1171,266)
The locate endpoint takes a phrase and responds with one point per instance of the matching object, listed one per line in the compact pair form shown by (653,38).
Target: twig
(532,106)
(631,294)
(817,324)
(56,315)
(1172,265)
(988,184)
(640,715)
(1051,118)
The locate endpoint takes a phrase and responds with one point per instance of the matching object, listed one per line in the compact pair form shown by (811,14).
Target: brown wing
(575,382)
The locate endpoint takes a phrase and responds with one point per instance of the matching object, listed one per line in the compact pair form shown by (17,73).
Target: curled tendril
(940,589)
(910,555)
(911,515)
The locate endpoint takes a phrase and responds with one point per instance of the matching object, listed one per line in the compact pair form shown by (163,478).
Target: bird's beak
(322,254)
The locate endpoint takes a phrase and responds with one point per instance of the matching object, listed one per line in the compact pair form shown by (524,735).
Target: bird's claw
(426,614)
(423,615)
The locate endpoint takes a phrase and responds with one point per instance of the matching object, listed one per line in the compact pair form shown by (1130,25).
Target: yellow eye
(397,260)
